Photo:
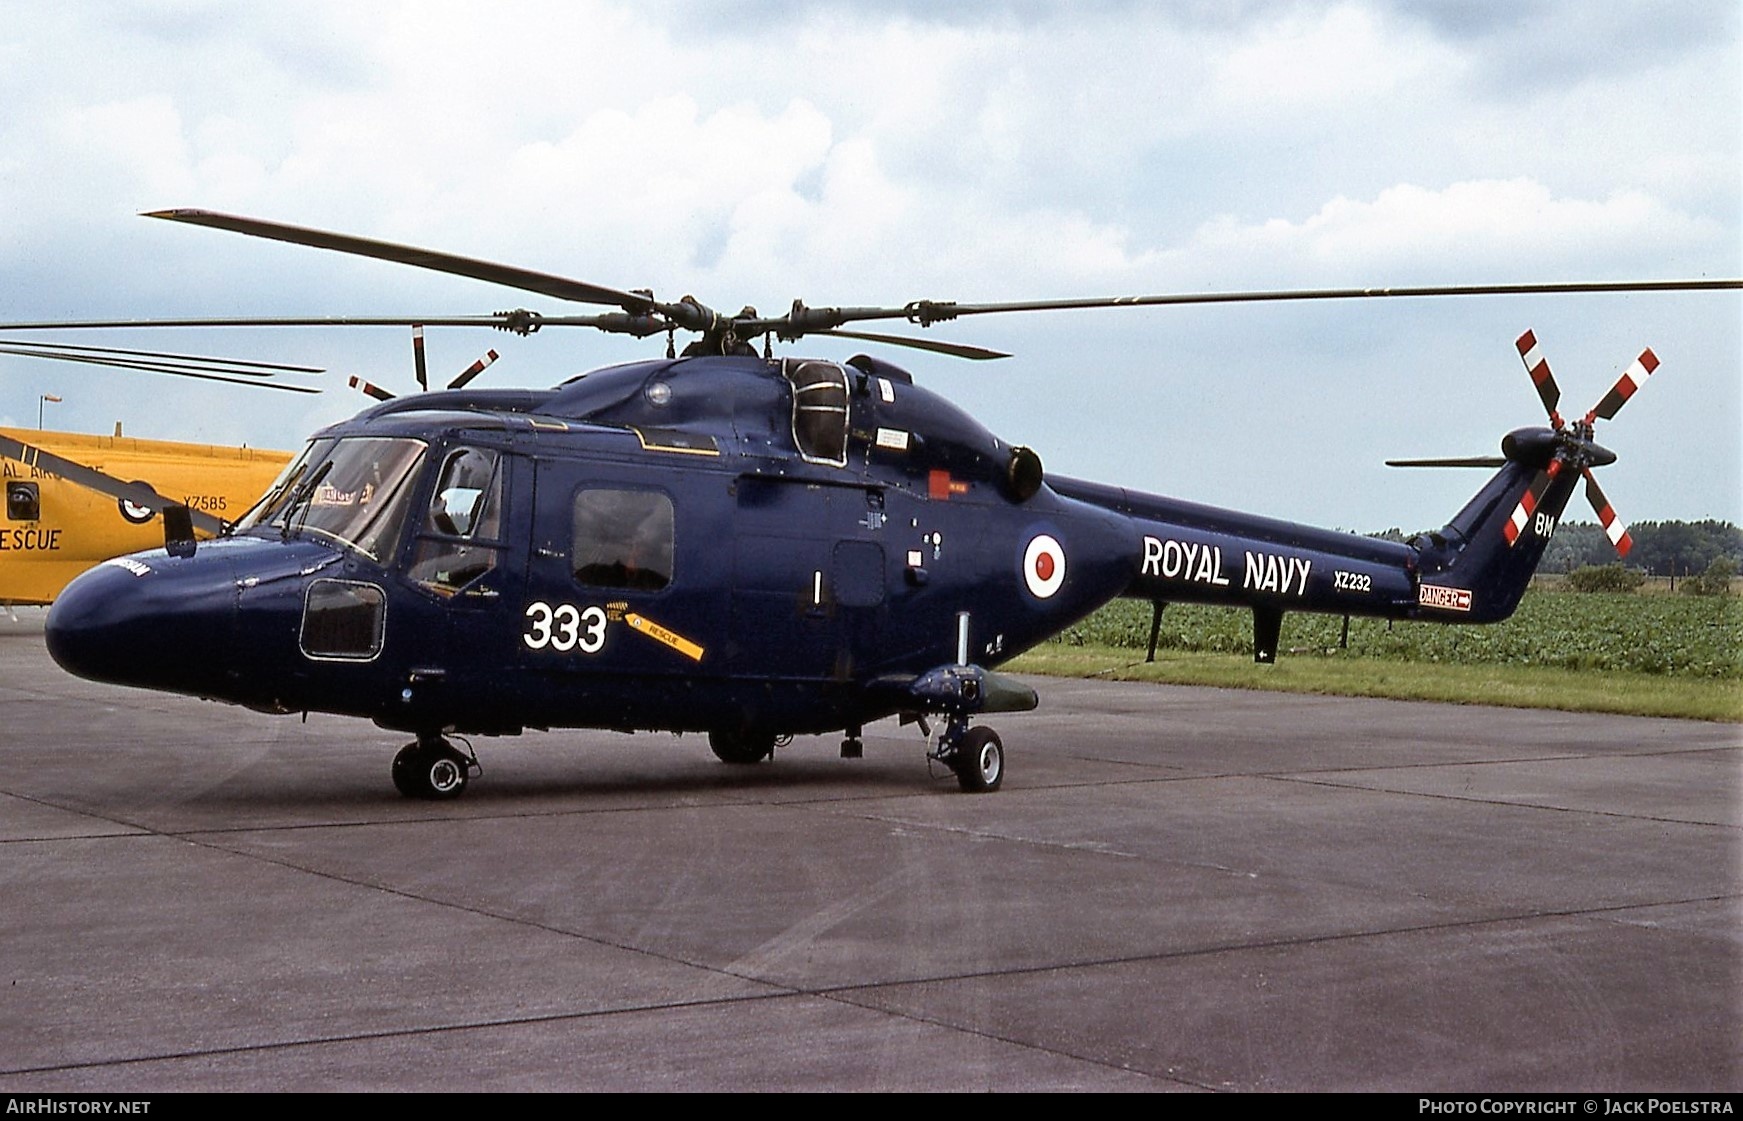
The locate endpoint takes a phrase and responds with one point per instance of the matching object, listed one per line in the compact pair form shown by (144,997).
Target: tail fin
(1477,567)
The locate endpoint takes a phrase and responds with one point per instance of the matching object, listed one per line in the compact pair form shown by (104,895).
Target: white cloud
(1313,60)
(1496,228)
(844,155)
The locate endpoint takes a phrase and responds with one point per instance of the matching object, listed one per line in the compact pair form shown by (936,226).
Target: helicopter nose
(147,620)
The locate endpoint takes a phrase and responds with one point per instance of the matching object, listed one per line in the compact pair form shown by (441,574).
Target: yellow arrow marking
(660,634)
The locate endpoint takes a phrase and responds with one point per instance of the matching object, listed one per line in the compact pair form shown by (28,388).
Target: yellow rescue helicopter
(68,506)
(74,500)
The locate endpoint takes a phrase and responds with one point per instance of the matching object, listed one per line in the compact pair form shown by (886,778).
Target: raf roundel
(1043,566)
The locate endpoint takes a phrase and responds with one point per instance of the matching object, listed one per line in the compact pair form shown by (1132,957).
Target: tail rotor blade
(1614,528)
(1538,367)
(473,371)
(1515,526)
(1631,380)
(418,355)
(370,388)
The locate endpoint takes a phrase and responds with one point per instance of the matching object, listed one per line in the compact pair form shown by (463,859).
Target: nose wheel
(432,769)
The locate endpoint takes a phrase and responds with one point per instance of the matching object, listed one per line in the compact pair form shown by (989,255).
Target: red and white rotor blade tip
(1614,528)
(370,388)
(418,356)
(1631,380)
(1515,526)
(473,370)
(1538,367)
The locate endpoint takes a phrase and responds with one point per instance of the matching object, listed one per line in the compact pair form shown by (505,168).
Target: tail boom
(1473,570)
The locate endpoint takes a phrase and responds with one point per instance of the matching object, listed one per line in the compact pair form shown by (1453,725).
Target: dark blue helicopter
(738,544)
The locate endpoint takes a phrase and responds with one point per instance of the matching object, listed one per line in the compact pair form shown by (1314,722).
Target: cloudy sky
(850,153)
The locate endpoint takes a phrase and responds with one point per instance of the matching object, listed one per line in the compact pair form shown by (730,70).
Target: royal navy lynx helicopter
(741,544)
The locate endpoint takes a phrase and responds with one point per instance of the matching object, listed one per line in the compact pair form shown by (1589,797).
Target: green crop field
(1670,655)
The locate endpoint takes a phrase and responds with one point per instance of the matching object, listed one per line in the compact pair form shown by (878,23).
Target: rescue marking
(34,539)
(661,635)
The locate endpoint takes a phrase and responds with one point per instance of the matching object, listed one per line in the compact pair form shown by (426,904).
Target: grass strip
(1347,675)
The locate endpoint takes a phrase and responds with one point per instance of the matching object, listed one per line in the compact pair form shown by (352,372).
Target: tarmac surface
(1177,889)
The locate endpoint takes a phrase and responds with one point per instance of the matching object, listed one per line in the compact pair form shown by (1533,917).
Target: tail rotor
(420,368)
(1575,447)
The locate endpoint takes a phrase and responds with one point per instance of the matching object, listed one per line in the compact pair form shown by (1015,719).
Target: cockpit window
(353,490)
(456,543)
(468,496)
(623,539)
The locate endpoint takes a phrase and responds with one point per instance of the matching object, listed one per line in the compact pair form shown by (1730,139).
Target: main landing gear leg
(975,754)
(432,768)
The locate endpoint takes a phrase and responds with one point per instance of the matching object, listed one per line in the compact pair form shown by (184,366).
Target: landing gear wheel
(980,761)
(741,747)
(435,771)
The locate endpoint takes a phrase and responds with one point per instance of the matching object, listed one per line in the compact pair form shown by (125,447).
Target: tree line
(1664,549)
(1674,549)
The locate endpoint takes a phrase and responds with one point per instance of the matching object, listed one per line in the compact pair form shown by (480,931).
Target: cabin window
(456,541)
(623,539)
(23,502)
(820,411)
(343,619)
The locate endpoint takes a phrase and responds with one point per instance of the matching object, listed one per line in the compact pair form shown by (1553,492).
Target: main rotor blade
(951,311)
(510,276)
(927,312)
(501,321)
(179,370)
(519,321)
(138,494)
(955,350)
